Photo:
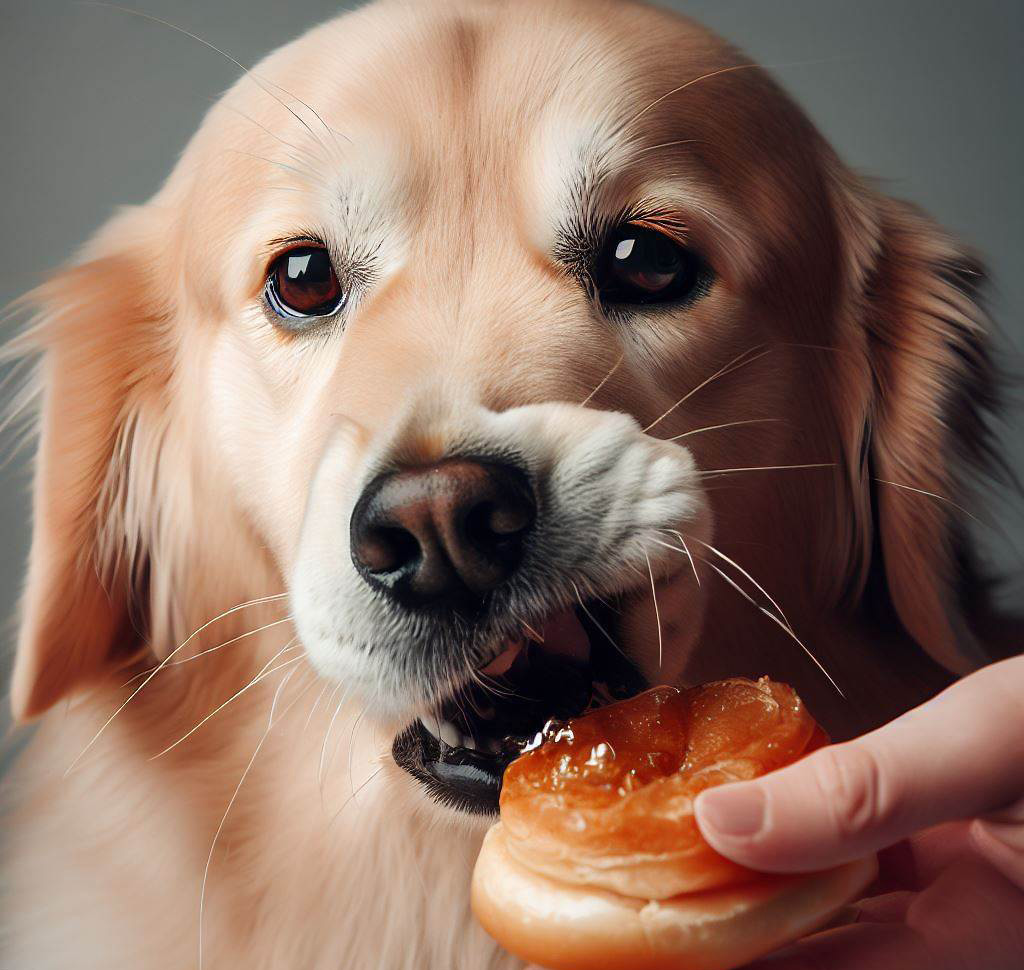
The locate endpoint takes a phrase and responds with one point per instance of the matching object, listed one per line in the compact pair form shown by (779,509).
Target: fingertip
(731,812)
(740,821)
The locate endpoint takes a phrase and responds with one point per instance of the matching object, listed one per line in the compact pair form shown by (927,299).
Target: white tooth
(450,734)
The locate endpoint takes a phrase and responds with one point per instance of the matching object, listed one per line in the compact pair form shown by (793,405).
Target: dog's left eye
(641,265)
(302,283)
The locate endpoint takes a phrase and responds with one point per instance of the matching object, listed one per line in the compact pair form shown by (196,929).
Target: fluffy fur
(197,464)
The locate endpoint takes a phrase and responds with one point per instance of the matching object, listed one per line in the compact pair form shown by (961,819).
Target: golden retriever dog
(478,361)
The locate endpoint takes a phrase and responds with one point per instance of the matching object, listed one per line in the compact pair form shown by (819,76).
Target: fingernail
(733,810)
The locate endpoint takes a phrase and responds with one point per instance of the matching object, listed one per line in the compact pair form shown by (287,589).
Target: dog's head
(466,322)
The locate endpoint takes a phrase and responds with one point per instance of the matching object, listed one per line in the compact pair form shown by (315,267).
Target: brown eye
(302,283)
(641,265)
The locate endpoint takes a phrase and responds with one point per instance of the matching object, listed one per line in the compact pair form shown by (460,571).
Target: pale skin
(939,794)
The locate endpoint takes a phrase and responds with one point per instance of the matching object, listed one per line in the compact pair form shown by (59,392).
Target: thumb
(957,756)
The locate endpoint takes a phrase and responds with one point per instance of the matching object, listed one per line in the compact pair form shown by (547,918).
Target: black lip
(537,690)
(469,781)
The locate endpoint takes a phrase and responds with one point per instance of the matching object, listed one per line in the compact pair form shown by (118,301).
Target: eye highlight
(639,265)
(301,284)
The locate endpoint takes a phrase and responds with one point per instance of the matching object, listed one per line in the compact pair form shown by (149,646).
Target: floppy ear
(923,432)
(99,328)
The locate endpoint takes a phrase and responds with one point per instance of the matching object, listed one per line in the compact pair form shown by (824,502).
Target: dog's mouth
(556,670)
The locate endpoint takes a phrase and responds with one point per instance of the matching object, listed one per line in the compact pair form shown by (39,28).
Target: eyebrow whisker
(248,72)
(682,87)
(735,364)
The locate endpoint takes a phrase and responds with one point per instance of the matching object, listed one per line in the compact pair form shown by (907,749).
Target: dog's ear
(99,330)
(921,436)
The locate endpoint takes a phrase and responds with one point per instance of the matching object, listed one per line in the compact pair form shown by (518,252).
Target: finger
(971,918)
(887,908)
(918,861)
(957,756)
(845,916)
(973,914)
(1002,844)
(879,946)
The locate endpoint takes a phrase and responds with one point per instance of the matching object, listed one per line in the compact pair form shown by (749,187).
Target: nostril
(496,525)
(387,549)
(509,519)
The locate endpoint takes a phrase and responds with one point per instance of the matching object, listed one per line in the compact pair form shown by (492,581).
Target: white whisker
(356,791)
(259,81)
(251,120)
(308,175)
(162,664)
(316,703)
(766,468)
(529,629)
(736,565)
(735,364)
(711,74)
(489,684)
(593,620)
(771,616)
(604,381)
(685,550)
(716,427)
(263,674)
(327,736)
(921,491)
(657,614)
(231,802)
(220,646)
(683,87)
(352,746)
(817,663)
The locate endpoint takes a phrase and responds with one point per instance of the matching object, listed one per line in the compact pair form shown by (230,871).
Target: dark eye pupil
(302,283)
(641,265)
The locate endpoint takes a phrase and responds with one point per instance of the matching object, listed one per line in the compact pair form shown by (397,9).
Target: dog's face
(456,314)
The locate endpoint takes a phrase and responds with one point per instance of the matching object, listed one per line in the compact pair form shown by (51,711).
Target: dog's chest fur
(303,876)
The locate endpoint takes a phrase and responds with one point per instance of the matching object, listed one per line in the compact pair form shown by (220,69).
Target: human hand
(941,790)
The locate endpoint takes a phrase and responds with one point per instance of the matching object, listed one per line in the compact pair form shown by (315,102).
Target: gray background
(95,105)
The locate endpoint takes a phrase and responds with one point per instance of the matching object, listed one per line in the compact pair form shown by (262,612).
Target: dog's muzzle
(474,595)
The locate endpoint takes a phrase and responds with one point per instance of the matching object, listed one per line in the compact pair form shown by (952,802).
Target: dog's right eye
(302,283)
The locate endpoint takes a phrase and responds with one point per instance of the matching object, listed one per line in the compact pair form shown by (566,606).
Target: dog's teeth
(450,734)
(501,663)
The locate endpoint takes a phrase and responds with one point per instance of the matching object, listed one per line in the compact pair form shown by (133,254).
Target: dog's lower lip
(463,778)
(461,757)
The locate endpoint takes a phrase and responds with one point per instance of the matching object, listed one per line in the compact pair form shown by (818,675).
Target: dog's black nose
(443,535)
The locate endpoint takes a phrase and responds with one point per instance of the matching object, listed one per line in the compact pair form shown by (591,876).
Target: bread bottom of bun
(565,927)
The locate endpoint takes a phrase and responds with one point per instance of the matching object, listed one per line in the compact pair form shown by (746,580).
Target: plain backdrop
(96,105)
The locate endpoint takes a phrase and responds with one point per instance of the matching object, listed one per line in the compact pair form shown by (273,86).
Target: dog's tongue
(564,636)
